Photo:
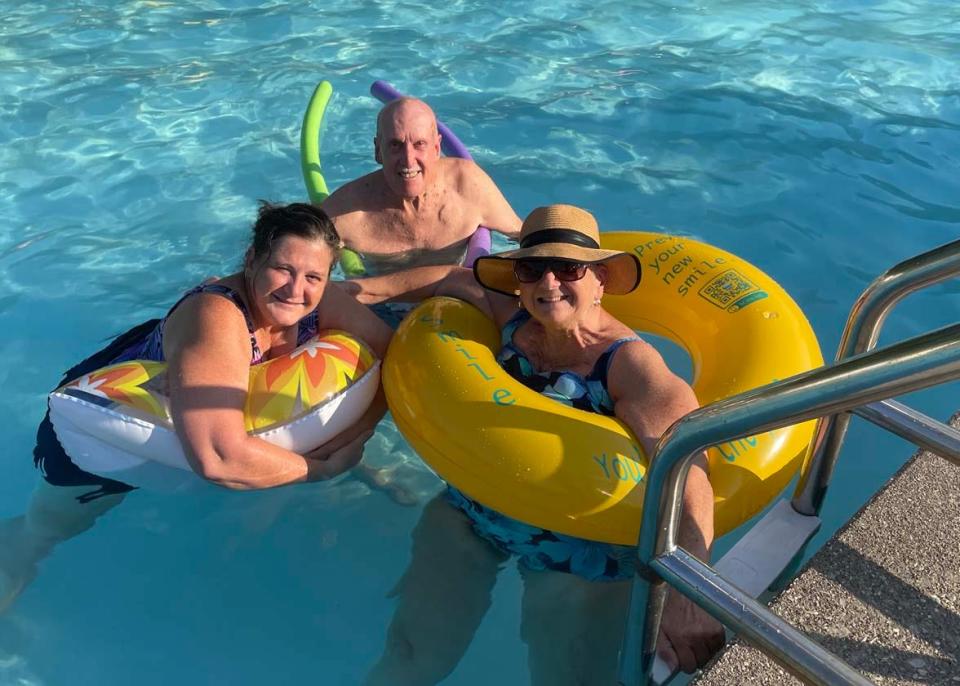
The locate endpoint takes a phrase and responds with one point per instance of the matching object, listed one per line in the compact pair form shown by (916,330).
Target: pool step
(883,594)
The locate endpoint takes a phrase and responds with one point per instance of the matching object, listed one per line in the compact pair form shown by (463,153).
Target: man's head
(408,146)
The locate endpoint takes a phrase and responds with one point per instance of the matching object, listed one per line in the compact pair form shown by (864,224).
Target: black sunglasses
(531,271)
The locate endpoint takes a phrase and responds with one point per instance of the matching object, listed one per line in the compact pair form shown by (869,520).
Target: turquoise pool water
(821,142)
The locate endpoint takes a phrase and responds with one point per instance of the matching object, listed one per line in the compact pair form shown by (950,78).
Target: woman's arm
(409,285)
(207,348)
(460,283)
(649,398)
(415,285)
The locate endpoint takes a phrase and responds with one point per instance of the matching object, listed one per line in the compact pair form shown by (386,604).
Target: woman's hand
(689,637)
(345,450)
(335,457)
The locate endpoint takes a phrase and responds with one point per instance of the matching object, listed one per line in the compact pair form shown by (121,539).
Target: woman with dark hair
(209,340)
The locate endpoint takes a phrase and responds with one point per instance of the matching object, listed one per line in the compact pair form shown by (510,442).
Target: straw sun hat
(559,232)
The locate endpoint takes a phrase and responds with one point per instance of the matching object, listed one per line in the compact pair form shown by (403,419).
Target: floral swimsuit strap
(583,392)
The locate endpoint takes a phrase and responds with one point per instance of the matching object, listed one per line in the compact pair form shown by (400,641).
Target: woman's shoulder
(231,285)
(633,354)
(639,371)
(625,350)
(216,302)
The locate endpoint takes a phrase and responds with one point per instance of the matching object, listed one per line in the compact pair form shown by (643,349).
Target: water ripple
(818,140)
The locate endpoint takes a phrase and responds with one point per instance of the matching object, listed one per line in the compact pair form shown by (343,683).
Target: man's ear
(376,151)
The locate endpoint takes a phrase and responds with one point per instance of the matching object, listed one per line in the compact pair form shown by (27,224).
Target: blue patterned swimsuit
(142,342)
(539,548)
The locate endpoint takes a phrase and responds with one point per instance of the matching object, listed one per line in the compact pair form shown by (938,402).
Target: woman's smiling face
(559,303)
(287,283)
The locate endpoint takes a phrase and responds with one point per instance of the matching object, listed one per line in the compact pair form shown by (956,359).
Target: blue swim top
(587,393)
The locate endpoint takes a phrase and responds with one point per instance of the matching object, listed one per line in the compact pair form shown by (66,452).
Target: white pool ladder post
(862,385)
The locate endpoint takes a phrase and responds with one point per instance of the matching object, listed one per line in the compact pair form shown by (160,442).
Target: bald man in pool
(420,208)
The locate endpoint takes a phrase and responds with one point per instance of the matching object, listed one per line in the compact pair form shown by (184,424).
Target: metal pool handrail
(907,366)
(924,432)
(859,335)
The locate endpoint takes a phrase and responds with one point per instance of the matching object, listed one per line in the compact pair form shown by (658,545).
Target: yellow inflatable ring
(115,421)
(580,473)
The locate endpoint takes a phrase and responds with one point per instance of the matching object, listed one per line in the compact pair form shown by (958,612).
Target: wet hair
(296,219)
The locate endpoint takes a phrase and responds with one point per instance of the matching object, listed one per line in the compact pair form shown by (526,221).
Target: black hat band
(559,236)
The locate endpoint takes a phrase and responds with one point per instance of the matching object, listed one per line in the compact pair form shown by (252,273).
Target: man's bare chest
(388,232)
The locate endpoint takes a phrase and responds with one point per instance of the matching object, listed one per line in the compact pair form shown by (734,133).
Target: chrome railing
(924,432)
(859,335)
(860,382)
(867,378)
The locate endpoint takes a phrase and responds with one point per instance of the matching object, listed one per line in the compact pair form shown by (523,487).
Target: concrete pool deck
(883,593)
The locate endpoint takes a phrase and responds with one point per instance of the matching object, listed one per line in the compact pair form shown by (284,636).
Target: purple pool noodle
(481,241)
(479,245)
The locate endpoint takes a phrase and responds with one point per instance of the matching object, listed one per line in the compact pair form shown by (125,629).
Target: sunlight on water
(817,140)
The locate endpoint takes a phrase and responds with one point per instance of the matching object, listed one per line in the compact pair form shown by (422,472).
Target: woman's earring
(596,301)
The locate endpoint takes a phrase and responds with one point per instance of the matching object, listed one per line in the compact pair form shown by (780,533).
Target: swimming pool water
(820,141)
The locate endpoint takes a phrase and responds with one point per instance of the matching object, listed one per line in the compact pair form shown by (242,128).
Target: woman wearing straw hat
(557,339)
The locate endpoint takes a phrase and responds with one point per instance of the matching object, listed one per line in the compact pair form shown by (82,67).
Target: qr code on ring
(726,288)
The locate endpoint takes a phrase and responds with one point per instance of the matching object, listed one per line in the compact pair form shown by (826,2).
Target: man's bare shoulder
(360,195)
(467,180)
(478,192)
(459,171)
